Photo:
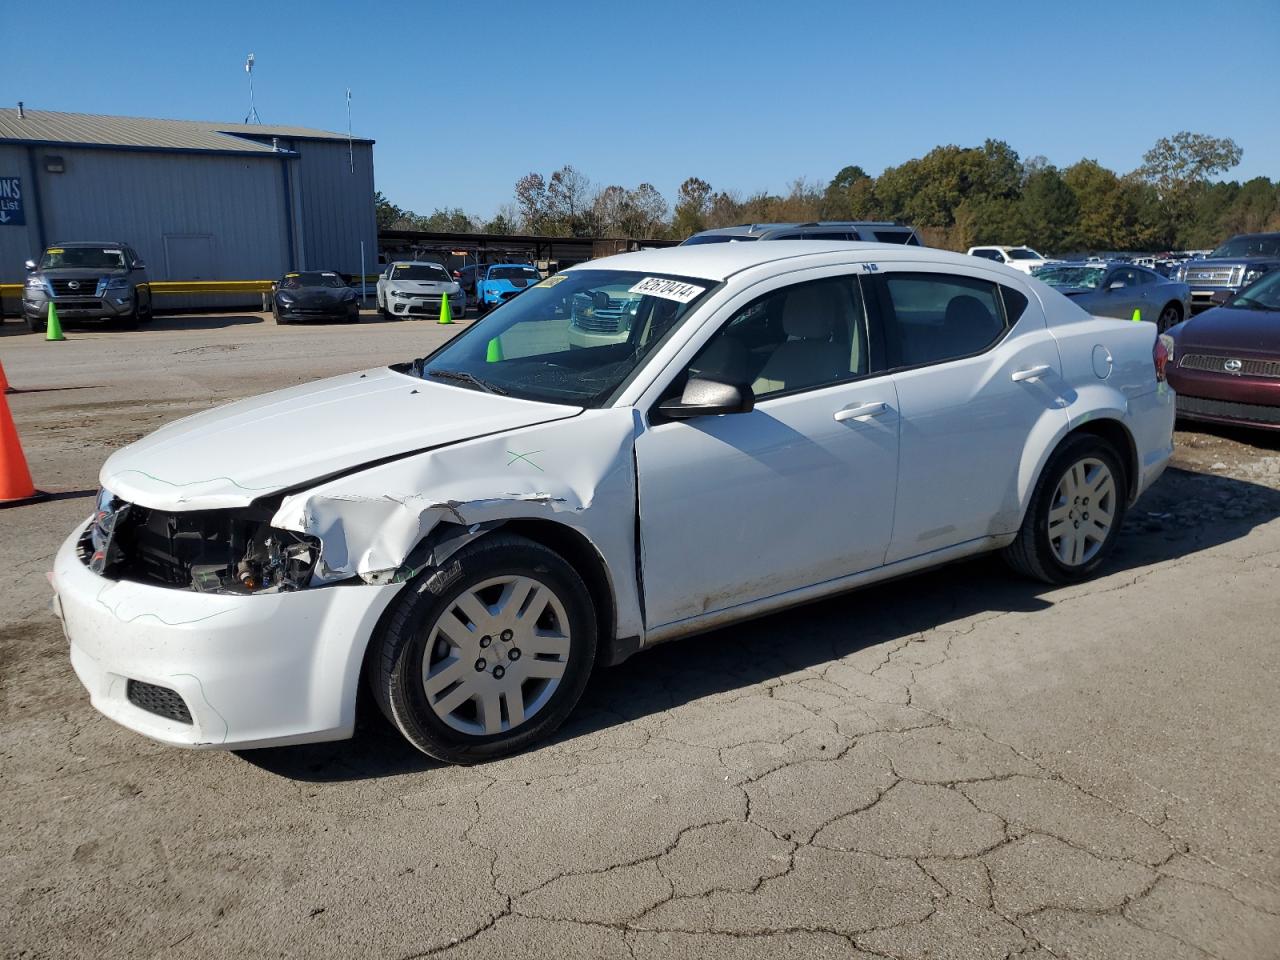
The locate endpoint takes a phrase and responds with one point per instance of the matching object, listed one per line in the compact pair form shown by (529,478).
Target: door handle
(858,411)
(1031,373)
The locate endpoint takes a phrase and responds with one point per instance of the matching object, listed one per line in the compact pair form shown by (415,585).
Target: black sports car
(314,295)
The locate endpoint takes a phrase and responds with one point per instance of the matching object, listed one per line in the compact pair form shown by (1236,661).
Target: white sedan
(470,532)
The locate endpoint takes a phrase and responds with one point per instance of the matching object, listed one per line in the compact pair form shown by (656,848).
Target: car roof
(417,263)
(756,229)
(719,261)
(88,243)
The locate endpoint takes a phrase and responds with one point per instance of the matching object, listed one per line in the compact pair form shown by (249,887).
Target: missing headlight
(211,551)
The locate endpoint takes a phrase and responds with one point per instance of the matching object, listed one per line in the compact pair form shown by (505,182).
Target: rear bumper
(1150,420)
(252,671)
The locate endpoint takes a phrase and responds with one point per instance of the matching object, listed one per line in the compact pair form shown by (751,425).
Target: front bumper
(423,307)
(253,671)
(82,308)
(342,311)
(1222,398)
(1202,297)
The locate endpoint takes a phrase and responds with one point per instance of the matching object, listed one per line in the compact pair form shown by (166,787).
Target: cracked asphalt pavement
(958,764)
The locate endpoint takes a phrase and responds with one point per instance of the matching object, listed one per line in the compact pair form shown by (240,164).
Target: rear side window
(989,255)
(893,236)
(933,317)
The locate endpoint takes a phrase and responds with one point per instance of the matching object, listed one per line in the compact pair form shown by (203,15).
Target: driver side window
(800,337)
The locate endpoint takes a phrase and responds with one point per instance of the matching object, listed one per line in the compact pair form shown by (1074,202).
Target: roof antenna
(21,113)
(253,111)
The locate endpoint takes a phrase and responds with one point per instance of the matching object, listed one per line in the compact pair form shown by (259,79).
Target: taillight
(1162,355)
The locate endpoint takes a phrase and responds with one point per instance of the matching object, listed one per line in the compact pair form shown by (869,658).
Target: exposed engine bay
(210,551)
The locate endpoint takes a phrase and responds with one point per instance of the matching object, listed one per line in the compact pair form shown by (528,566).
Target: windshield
(717,238)
(312,278)
(1248,247)
(1262,295)
(1090,278)
(420,271)
(97,258)
(513,273)
(1024,253)
(574,338)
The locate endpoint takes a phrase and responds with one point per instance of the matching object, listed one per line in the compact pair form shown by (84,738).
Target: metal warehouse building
(197,200)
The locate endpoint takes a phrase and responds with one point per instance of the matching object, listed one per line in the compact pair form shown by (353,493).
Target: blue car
(502,281)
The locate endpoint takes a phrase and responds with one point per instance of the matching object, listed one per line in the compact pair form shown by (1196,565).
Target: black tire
(1032,553)
(280,321)
(34,325)
(1169,316)
(147,315)
(130,320)
(395,663)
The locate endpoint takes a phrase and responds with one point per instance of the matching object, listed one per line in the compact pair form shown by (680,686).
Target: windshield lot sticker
(54,250)
(676,290)
(552,281)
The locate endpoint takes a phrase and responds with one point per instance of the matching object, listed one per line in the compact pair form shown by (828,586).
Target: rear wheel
(488,654)
(1169,316)
(1074,515)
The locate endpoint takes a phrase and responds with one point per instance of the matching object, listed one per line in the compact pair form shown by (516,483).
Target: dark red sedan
(1226,361)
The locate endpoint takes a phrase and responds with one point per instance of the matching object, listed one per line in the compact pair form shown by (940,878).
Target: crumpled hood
(231,455)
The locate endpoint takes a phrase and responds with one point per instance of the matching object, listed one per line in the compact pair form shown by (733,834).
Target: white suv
(1020,258)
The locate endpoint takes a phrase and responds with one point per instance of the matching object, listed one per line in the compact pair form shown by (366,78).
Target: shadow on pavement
(1183,514)
(196,321)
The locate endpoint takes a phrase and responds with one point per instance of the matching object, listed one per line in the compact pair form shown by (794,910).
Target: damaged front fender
(378,524)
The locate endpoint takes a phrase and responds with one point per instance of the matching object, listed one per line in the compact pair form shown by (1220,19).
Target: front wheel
(1074,515)
(488,654)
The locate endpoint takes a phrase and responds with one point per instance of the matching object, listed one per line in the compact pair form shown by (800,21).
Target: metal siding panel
(139,198)
(337,206)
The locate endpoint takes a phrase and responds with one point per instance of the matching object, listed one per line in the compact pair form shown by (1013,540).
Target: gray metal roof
(145,133)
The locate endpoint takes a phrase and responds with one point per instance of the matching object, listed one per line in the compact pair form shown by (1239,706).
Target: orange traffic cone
(15,479)
(4,381)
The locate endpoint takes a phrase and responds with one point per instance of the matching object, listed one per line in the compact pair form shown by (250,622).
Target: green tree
(1048,209)
(1177,162)
(385,212)
(838,198)
(693,201)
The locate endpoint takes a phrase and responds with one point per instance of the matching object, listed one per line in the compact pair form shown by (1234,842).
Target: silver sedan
(1121,290)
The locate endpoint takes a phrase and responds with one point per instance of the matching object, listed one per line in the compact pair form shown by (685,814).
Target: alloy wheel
(1167,319)
(1082,512)
(496,655)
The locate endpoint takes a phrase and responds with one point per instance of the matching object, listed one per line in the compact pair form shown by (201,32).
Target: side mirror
(139,265)
(709,398)
(30,265)
(1221,296)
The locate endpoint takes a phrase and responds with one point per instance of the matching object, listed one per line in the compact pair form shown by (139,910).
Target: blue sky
(463,99)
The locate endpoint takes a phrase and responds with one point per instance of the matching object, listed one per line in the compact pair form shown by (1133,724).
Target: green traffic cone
(494,353)
(54,326)
(1137,315)
(445,315)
